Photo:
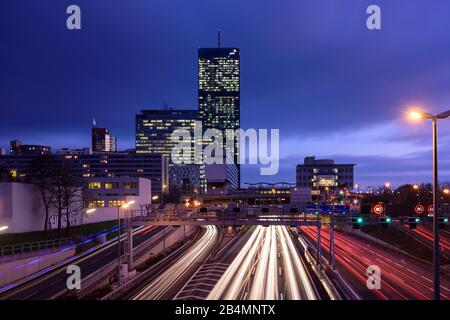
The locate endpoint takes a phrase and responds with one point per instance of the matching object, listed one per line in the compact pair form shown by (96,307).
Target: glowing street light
(419,115)
(3,228)
(415,115)
(446,191)
(387,184)
(416,187)
(126,205)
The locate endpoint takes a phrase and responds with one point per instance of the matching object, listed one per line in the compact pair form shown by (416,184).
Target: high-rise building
(219,91)
(154,130)
(103,141)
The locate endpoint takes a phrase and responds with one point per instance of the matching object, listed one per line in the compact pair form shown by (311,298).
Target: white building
(21,207)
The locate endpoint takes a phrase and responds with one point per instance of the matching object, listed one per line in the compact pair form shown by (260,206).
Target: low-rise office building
(321,174)
(116,191)
(19,149)
(22,209)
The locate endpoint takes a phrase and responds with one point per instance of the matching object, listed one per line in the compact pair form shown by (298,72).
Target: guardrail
(10,249)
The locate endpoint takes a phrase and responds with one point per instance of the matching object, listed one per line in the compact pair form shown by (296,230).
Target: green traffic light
(360,220)
(388,220)
(445,220)
(417,220)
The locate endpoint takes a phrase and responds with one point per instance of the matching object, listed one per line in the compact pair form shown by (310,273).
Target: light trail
(299,267)
(427,233)
(162,284)
(232,281)
(272,292)
(258,290)
(260,255)
(399,274)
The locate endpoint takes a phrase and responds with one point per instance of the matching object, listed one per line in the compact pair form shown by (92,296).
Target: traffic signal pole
(332,260)
(319,244)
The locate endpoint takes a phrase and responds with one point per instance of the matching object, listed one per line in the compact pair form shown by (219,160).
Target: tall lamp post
(436,252)
(126,205)
(163,188)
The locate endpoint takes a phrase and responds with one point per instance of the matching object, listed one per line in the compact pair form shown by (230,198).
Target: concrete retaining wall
(20,266)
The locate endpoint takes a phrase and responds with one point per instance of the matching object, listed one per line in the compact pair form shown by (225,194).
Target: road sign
(378,209)
(419,209)
(431,209)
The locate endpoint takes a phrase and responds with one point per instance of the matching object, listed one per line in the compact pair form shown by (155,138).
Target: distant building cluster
(109,175)
(102,164)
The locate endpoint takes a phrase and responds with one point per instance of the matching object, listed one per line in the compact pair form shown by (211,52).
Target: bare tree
(40,174)
(65,189)
(71,192)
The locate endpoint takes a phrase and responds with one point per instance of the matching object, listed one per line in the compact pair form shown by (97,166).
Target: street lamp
(126,205)
(162,197)
(417,115)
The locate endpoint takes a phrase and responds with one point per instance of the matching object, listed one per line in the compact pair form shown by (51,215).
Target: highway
(267,267)
(426,231)
(50,284)
(162,286)
(402,277)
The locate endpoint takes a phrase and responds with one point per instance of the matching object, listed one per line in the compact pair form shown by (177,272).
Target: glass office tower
(219,91)
(154,130)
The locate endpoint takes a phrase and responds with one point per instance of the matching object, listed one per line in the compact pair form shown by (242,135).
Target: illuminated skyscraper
(154,130)
(219,91)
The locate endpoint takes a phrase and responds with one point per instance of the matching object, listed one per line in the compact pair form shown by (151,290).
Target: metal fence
(10,249)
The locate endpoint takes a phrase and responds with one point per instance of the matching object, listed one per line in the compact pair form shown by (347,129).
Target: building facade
(116,191)
(122,164)
(219,92)
(185,177)
(321,174)
(19,149)
(102,165)
(22,210)
(103,141)
(74,152)
(154,129)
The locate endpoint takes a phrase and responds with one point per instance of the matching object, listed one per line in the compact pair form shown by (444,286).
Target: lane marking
(411,271)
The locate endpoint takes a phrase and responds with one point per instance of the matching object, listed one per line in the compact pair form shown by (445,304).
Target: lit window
(95,185)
